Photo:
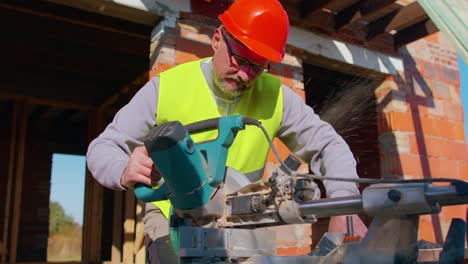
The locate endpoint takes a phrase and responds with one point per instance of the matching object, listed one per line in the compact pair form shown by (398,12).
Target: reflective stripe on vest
(184,95)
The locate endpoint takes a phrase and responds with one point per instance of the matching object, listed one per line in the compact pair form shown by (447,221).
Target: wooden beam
(116,252)
(335,53)
(338,5)
(97,200)
(88,207)
(133,86)
(377,27)
(373,9)
(414,32)
(365,12)
(406,16)
(397,20)
(11,165)
(345,16)
(45,101)
(139,250)
(39,28)
(129,228)
(307,7)
(109,8)
(92,231)
(38,10)
(20,152)
(91,63)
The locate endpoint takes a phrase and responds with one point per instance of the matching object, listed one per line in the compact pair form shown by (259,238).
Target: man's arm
(109,154)
(316,142)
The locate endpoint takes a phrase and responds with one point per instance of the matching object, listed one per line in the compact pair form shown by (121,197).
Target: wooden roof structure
(406,21)
(49,45)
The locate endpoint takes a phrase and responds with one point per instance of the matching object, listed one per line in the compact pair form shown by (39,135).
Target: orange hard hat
(261,25)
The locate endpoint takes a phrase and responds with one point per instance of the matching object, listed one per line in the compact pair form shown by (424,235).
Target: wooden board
(18,182)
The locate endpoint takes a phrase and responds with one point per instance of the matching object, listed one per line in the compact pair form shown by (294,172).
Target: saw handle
(213,123)
(147,194)
(202,126)
(176,155)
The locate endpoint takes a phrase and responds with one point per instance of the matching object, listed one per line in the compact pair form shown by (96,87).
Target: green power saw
(217,213)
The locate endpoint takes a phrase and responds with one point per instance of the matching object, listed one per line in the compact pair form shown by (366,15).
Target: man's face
(235,66)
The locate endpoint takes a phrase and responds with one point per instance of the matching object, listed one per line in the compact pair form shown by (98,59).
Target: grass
(65,246)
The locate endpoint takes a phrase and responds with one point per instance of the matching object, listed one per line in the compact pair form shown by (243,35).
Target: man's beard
(234,91)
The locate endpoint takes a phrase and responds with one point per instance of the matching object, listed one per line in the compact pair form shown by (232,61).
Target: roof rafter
(367,10)
(406,16)
(399,20)
(414,32)
(307,7)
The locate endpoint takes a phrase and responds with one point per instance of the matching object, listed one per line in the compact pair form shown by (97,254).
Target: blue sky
(68,180)
(464,90)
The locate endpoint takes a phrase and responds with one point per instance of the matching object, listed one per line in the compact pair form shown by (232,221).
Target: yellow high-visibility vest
(185,96)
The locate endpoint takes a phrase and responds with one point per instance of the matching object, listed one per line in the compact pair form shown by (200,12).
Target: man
(234,81)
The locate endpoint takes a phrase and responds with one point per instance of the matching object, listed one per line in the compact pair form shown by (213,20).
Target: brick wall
(421,130)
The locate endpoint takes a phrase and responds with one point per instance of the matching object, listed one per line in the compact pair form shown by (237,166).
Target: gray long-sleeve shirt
(310,138)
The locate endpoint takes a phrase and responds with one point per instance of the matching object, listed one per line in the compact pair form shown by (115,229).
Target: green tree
(58,219)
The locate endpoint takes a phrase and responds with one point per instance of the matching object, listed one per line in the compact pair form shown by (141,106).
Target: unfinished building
(68,66)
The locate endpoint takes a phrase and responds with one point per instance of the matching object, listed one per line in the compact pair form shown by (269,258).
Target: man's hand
(338,225)
(140,169)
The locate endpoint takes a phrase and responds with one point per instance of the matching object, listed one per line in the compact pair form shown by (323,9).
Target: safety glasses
(241,61)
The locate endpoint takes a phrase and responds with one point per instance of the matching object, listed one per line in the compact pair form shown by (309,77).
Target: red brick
(438,147)
(188,50)
(426,225)
(442,168)
(413,165)
(287,76)
(419,104)
(421,125)
(450,130)
(390,164)
(440,89)
(463,168)
(293,251)
(191,33)
(286,81)
(450,75)
(431,127)
(396,121)
(292,239)
(460,132)
(171,40)
(426,229)
(301,93)
(282,150)
(276,69)
(159,68)
(454,112)
(435,109)
(457,211)
(419,166)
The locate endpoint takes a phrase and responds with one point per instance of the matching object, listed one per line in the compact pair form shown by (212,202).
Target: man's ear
(216,39)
